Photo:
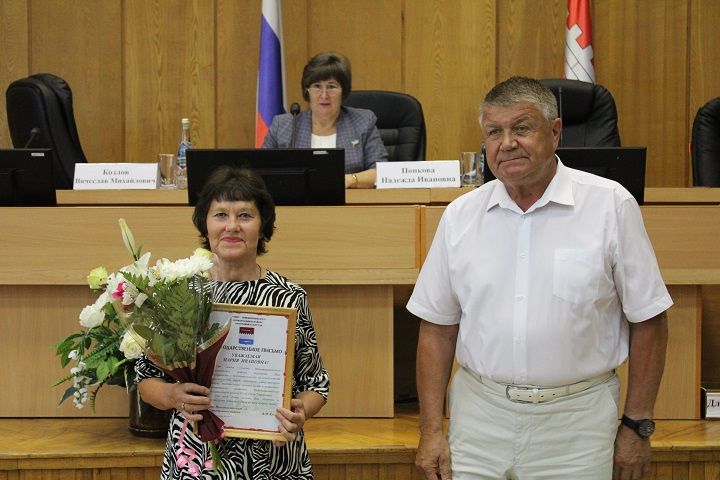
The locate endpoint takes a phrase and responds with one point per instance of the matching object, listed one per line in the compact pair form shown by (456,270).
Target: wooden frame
(253,340)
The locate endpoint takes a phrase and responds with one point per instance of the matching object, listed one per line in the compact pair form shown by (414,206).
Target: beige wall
(137,66)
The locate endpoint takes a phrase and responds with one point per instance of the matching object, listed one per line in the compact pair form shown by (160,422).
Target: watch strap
(636,426)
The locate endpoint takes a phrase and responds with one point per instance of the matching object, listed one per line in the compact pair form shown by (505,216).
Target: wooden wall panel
(80,42)
(238,42)
(136,66)
(354,329)
(14,48)
(530,38)
(449,66)
(369,33)
(296,47)
(711,335)
(641,56)
(704,61)
(169,71)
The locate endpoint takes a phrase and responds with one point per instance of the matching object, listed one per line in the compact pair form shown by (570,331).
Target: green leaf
(142,330)
(102,371)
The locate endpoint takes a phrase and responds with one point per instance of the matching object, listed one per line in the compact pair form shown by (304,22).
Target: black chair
(399,119)
(705,145)
(40,115)
(588,113)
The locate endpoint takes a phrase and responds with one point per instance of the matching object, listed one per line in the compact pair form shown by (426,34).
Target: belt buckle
(535,394)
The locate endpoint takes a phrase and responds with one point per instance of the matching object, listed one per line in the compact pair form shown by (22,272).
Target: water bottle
(185,143)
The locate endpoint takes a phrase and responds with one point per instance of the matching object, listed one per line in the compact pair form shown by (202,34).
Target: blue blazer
(356,133)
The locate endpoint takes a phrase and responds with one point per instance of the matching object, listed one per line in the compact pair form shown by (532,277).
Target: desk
(347,258)
(675,196)
(416,196)
(407,196)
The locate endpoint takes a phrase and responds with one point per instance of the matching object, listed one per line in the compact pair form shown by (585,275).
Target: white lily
(128,239)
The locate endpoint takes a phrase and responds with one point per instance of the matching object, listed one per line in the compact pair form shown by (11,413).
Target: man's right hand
(433,457)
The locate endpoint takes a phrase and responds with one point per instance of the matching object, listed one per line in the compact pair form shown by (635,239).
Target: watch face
(646,428)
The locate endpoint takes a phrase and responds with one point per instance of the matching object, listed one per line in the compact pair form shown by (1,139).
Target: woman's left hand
(291,421)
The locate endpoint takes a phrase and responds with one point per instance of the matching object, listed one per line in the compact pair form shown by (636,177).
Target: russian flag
(271,74)
(578,42)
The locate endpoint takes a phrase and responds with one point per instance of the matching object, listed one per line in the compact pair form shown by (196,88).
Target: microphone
(294,110)
(34,133)
(560,113)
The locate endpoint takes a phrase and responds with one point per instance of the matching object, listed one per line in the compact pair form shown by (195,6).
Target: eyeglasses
(330,88)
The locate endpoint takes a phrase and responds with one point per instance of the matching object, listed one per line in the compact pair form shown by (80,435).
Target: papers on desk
(427,174)
(116,176)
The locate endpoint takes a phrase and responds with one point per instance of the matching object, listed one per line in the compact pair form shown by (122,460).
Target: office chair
(588,113)
(399,119)
(40,115)
(705,145)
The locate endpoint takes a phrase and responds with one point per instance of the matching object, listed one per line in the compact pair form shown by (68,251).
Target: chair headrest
(578,98)
(400,121)
(44,101)
(588,112)
(705,145)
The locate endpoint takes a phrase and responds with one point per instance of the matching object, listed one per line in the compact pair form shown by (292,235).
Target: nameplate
(712,404)
(115,176)
(427,174)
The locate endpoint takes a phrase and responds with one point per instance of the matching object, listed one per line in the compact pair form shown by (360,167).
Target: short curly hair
(236,184)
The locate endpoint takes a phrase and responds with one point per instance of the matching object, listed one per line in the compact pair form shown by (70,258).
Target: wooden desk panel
(673,196)
(419,196)
(686,240)
(348,259)
(318,245)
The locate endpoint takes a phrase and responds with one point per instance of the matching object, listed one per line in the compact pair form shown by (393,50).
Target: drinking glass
(470,169)
(167,163)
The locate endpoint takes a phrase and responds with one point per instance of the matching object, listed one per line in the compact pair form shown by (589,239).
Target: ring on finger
(182,406)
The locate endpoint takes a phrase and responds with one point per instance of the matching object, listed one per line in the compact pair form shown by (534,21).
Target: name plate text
(427,174)
(114,176)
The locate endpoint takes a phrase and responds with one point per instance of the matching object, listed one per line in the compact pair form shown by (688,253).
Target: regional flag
(578,42)
(271,73)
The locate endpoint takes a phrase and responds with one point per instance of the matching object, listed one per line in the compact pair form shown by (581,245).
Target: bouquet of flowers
(104,352)
(161,311)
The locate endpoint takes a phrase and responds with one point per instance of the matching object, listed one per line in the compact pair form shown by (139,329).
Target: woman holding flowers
(235,216)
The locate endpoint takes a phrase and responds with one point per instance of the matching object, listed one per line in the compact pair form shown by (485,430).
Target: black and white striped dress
(244,458)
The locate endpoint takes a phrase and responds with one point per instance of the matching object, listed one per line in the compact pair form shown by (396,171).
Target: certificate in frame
(254,369)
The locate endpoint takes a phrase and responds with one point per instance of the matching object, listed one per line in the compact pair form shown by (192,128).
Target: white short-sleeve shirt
(542,297)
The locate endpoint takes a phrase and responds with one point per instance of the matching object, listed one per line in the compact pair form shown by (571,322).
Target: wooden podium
(350,259)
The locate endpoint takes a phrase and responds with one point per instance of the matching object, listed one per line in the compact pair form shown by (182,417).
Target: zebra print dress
(247,458)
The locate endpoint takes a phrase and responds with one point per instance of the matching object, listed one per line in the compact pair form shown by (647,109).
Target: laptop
(293,176)
(26,177)
(625,165)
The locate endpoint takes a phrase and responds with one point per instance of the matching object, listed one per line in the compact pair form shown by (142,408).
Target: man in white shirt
(541,283)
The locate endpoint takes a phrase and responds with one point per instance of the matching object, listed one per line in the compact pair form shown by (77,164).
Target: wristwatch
(644,427)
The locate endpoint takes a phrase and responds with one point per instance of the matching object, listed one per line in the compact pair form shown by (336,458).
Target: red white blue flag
(271,74)
(578,42)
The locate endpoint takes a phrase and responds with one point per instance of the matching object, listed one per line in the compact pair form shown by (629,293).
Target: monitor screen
(26,177)
(293,176)
(625,165)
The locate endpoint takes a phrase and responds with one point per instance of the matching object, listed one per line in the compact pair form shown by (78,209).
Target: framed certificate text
(254,369)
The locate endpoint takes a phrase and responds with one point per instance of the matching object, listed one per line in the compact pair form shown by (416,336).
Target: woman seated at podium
(235,216)
(326,82)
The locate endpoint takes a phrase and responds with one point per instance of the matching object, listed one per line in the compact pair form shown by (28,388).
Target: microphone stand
(33,135)
(560,103)
(294,110)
